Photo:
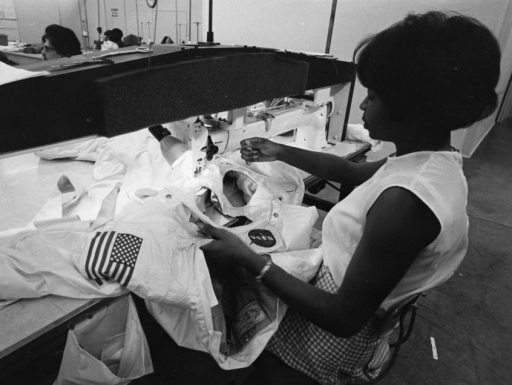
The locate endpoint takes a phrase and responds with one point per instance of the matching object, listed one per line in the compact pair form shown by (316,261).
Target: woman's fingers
(249,155)
(254,142)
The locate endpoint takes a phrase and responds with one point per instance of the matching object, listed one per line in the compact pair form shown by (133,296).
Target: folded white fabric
(86,151)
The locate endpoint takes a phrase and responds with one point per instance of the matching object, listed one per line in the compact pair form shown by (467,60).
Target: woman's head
(435,70)
(116,35)
(167,40)
(60,41)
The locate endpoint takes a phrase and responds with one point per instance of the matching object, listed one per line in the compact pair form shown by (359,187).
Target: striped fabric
(324,357)
(112,255)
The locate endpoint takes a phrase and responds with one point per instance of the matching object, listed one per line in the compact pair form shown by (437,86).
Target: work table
(27,182)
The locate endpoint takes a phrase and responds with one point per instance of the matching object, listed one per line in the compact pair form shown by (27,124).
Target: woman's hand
(226,248)
(259,150)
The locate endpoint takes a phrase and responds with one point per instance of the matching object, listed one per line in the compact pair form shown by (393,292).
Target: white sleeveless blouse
(434,177)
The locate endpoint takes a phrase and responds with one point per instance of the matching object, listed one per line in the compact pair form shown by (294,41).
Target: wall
(8,22)
(135,17)
(33,17)
(302,25)
(131,16)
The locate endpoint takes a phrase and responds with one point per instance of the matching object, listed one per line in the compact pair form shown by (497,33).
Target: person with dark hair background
(404,229)
(116,36)
(107,43)
(59,42)
(167,40)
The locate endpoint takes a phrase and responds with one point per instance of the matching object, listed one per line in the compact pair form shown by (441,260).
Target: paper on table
(9,74)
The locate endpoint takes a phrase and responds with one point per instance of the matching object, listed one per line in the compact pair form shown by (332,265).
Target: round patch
(262,238)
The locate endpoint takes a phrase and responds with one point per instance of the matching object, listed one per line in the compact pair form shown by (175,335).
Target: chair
(393,319)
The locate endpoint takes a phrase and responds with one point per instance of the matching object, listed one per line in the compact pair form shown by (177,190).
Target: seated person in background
(107,43)
(404,229)
(116,36)
(167,40)
(59,42)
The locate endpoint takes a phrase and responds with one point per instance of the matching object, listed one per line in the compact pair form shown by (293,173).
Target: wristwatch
(265,268)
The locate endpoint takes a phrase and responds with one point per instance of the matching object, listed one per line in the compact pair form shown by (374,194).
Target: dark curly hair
(63,40)
(116,35)
(438,69)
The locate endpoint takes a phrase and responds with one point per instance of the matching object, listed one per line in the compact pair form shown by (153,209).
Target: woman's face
(49,53)
(376,117)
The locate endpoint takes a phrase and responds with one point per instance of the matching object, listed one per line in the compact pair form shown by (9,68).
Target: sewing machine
(172,83)
(300,121)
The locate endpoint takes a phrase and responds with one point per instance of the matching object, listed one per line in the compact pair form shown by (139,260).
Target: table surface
(27,182)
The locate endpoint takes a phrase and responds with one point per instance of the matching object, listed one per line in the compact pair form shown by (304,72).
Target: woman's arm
(398,227)
(326,166)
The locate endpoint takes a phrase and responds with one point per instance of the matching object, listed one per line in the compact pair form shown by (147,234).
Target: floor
(470,316)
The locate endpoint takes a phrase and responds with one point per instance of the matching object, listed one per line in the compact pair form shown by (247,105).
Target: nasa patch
(262,238)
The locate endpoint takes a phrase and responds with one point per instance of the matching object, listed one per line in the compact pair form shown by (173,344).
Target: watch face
(151,3)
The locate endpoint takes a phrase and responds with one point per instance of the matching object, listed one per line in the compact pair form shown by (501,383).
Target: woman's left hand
(226,248)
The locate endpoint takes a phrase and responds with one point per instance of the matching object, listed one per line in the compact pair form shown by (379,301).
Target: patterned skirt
(324,357)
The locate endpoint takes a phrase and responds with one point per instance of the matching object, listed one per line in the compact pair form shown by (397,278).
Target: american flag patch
(112,255)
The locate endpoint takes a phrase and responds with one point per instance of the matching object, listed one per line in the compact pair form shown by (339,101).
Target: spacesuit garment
(155,205)
(55,255)
(172,275)
(38,260)
(284,230)
(168,265)
(276,226)
(134,159)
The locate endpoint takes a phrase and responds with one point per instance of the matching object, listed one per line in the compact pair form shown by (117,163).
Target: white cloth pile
(133,230)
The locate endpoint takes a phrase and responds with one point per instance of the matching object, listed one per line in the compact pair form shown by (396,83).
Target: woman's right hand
(259,150)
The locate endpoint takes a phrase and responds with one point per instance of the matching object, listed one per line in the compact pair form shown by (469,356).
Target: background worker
(60,42)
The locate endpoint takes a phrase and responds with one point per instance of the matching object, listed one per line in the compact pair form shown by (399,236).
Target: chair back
(391,319)
(394,318)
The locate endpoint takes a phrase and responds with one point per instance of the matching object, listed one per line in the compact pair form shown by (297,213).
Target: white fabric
(155,206)
(40,259)
(86,151)
(110,348)
(106,45)
(289,229)
(434,177)
(169,266)
(289,224)
(194,327)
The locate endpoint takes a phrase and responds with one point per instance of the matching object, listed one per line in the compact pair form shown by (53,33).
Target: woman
(59,42)
(404,229)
